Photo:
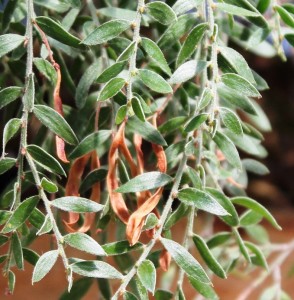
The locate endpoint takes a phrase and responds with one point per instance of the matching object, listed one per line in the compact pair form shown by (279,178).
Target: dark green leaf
(218,239)
(263,5)
(21,214)
(106,32)
(121,114)
(3,239)
(204,289)
(290,38)
(46,68)
(30,256)
(176,215)
(48,185)
(10,41)
(17,250)
(161,12)
(10,129)
(55,122)
(147,275)
(44,265)
(195,122)
(172,124)
(79,289)
(126,54)
(45,160)
(6,18)
(6,163)
(9,95)
(129,296)
(285,15)
(258,259)
(92,178)
(163,295)
(137,108)
(288,6)
(37,218)
(121,247)
(111,72)
(111,88)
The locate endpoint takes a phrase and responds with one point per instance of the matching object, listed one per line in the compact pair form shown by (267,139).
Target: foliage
(133,116)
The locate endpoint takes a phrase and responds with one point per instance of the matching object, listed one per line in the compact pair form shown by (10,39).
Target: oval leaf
(9,95)
(231,120)
(111,72)
(147,275)
(121,247)
(195,122)
(6,163)
(46,68)
(137,108)
(161,12)
(9,42)
(236,10)
(17,250)
(48,185)
(121,114)
(111,88)
(10,129)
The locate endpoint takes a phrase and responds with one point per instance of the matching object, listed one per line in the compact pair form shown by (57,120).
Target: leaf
(249,218)
(201,200)
(30,256)
(285,15)
(96,269)
(204,289)
(290,38)
(147,275)
(146,130)
(111,88)
(241,244)
(46,226)
(46,68)
(228,149)
(9,95)
(255,206)
(263,5)
(3,239)
(126,54)
(76,204)
(240,84)
(120,247)
(150,222)
(37,218)
(258,259)
(172,124)
(111,72)
(48,185)
(163,295)
(10,129)
(208,257)
(21,214)
(137,108)
(84,242)
(79,289)
(44,265)
(106,32)
(176,215)
(187,71)
(11,281)
(231,120)
(255,166)
(154,81)
(161,12)
(6,19)
(9,42)
(121,114)
(45,160)
(129,296)
(145,181)
(205,99)
(17,250)
(218,239)
(236,10)
(57,32)
(155,54)
(191,42)
(185,260)
(6,163)
(92,178)
(182,6)
(55,122)
(195,122)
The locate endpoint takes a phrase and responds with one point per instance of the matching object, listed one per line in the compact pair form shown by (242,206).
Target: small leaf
(92,178)
(17,250)
(120,247)
(231,120)
(30,256)
(195,122)
(57,32)
(290,38)
(79,289)
(9,95)
(191,42)
(46,226)
(150,222)
(204,289)
(11,282)
(218,239)
(163,295)
(37,218)
(154,81)
(48,185)
(241,244)
(76,204)
(236,10)
(111,88)
(145,181)
(176,215)
(208,257)
(6,19)
(21,214)
(185,260)
(6,163)
(182,6)
(45,160)
(201,200)
(55,122)
(255,166)
(3,239)
(205,99)
(29,95)
(258,259)
(46,68)
(155,54)
(161,12)
(285,15)
(111,72)
(121,114)
(129,296)
(249,218)
(126,54)
(240,84)
(263,5)
(172,124)
(10,129)
(44,265)
(147,275)
(228,149)
(84,242)
(255,206)
(96,269)
(9,42)
(137,108)
(106,32)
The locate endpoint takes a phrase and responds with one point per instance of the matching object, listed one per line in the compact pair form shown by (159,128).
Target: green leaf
(79,289)
(145,181)
(46,226)
(150,222)
(182,6)
(106,32)
(121,114)
(154,81)
(204,289)
(48,185)
(285,15)
(255,166)
(92,178)
(17,250)
(76,204)
(111,72)
(263,5)
(155,54)
(57,32)
(9,42)
(163,295)
(30,256)
(289,7)
(6,19)
(137,108)
(249,218)
(258,259)
(120,247)
(201,200)
(9,95)
(241,244)
(191,42)
(172,124)
(44,265)
(185,260)
(146,130)
(161,12)
(255,206)
(96,269)
(218,239)
(129,296)
(84,242)
(195,122)
(3,239)
(231,120)
(208,257)
(37,218)
(46,68)
(21,214)
(240,84)
(126,54)
(111,88)
(6,163)
(10,129)
(205,99)
(147,275)
(45,160)
(11,281)
(236,10)
(228,149)
(55,122)
(4,216)
(290,38)
(176,215)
